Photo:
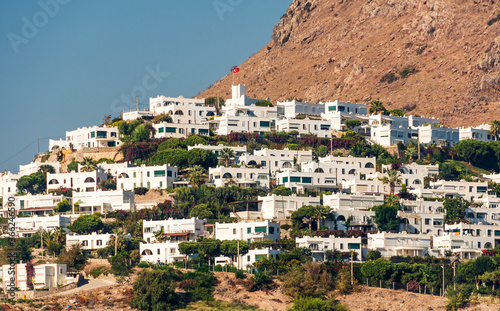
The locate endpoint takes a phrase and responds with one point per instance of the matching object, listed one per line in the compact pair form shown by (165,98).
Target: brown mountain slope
(443,55)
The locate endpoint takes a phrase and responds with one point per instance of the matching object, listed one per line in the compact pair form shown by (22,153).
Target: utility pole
(137,102)
(41,239)
(454,271)
(116,243)
(352,271)
(443,279)
(238,254)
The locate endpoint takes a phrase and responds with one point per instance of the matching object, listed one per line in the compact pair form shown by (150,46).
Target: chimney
(137,102)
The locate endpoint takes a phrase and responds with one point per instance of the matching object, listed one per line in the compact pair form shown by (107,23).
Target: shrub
(494,20)
(239,274)
(141,190)
(388,78)
(406,71)
(317,304)
(262,281)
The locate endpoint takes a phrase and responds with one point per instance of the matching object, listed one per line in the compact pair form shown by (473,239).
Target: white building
(151,177)
(412,175)
(182,110)
(242,176)
(40,204)
(300,181)
(238,150)
(27,226)
(8,183)
(399,244)
(306,126)
(45,276)
(103,201)
(136,114)
(281,207)
(345,201)
(387,135)
(441,136)
(243,122)
(165,252)
(89,242)
(320,245)
(88,137)
(181,130)
(290,109)
(178,229)
(451,189)
(248,231)
(34,167)
(84,182)
(246,261)
(481,133)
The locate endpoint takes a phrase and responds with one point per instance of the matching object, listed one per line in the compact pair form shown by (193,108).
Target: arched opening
(227,175)
(369,165)
(352,172)
(287,165)
(341,218)
(89,179)
(53,182)
(210,113)
(487,245)
(55,147)
(319,170)
(147,252)
(179,113)
(252,162)
(417,182)
(123,175)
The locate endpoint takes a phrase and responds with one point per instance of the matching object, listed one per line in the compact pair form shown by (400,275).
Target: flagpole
(233,76)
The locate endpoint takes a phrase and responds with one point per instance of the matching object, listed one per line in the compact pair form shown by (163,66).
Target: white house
(290,109)
(439,135)
(103,201)
(320,245)
(388,135)
(45,276)
(88,137)
(242,176)
(39,204)
(81,182)
(345,201)
(300,181)
(481,133)
(89,242)
(165,252)
(247,260)
(243,122)
(274,206)
(34,167)
(181,130)
(151,177)
(412,175)
(27,226)
(8,183)
(180,229)
(248,231)
(399,244)
(449,189)
(182,110)
(306,126)
(238,150)
(136,114)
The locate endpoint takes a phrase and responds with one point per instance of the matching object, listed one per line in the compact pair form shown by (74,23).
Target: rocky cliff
(436,58)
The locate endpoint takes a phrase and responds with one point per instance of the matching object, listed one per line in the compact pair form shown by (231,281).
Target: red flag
(236,70)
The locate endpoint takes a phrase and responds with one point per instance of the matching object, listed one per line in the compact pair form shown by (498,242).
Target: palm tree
(495,129)
(377,107)
(320,212)
(89,165)
(412,152)
(197,176)
(392,179)
(117,238)
(227,154)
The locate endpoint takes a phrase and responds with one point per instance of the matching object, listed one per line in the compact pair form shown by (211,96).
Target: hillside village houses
(46,276)
(355,183)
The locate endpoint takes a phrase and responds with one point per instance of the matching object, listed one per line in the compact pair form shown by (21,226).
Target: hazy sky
(65,64)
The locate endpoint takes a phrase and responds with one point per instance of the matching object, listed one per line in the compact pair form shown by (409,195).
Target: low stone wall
(32,294)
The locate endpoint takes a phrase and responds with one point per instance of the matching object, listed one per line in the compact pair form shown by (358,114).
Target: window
(285,179)
(159,173)
(99,242)
(264,123)
(234,231)
(85,243)
(332,108)
(261,229)
(158,251)
(427,221)
(169,173)
(271,230)
(353,246)
(161,130)
(294,179)
(135,174)
(92,134)
(306,180)
(170,129)
(248,257)
(102,134)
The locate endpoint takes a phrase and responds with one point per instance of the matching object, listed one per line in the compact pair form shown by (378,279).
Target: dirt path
(89,284)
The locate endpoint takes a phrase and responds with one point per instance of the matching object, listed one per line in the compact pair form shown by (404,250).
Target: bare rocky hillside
(432,57)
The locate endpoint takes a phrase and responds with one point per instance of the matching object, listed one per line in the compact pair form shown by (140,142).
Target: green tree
(188,249)
(386,218)
(35,183)
(377,107)
(263,103)
(373,254)
(397,112)
(205,158)
(73,166)
(88,165)
(47,169)
(322,151)
(308,280)
(86,224)
(230,248)
(201,211)
(141,133)
(155,290)
(227,154)
(282,191)
(317,304)
(73,258)
(209,248)
(63,206)
(392,179)
(495,129)
(195,140)
(455,209)
(172,143)
(350,124)
(197,176)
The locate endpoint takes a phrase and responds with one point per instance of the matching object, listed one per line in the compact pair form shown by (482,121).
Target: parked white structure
(248,231)
(81,182)
(27,226)
(320,245)
(242,176)
(89,242)
(181,130)
(274,206)
(46,276)
(181,229)
(34,167)
(400,244)
(88,137)
(151,177)
(103,201)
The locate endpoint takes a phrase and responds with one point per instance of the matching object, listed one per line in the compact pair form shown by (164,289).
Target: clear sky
(65,64)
